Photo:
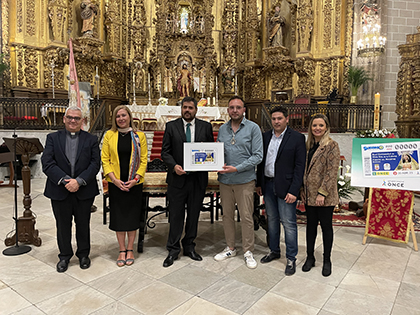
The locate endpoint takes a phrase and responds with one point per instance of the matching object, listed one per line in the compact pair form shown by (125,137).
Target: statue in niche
(89,10)
(184,20)
(139,78)
(199,24)
(228,76)
(276,28)
(184,81)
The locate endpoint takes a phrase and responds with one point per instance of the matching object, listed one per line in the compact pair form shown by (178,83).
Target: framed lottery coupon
(204,156)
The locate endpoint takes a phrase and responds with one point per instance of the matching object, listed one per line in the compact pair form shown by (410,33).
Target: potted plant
(357,77)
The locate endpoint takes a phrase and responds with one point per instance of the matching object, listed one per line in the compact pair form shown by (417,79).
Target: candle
(377,99)
(148,78)
(214,100)
(208,100)
(96,70)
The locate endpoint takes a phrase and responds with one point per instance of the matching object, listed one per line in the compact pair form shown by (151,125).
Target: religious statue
(228,76)
(184,81)
(89,10)
(276,28)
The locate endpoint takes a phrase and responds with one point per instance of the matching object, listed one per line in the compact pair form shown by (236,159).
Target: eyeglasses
(73,118)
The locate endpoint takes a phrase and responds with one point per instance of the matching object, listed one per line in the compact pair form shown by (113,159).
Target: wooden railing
(29,113)
(343,117)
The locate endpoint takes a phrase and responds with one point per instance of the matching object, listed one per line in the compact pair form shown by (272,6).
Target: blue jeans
(278,210)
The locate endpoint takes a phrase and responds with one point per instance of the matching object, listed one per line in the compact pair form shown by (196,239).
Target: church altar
(165,113)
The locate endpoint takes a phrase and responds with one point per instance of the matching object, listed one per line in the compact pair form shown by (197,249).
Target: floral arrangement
(345,189)
(370,133)
(163,101)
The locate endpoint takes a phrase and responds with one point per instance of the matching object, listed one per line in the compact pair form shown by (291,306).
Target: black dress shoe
(309,263)
(193,255)
(326,268)
(169,260)
(62,265)
(84,262)
(270,257)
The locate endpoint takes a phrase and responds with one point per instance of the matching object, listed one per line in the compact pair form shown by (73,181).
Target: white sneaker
(227,253)
(250,261)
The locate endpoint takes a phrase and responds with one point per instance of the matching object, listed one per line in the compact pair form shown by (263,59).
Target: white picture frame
(203,156)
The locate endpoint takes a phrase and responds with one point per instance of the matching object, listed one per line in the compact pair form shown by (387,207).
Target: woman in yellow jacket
(124,161)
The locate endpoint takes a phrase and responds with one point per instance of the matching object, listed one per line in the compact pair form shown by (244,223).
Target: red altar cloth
(390,214)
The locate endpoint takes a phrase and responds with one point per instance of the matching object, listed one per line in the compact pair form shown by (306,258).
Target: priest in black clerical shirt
(71,161)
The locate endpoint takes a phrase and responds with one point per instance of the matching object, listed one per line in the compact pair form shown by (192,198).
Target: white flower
(348,168)
(341,177)
(341,183)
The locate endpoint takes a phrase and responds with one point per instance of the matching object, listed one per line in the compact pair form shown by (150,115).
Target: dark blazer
(56,165)
(173,149)
(289,165)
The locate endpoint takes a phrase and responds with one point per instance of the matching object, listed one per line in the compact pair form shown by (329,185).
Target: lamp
(372,43)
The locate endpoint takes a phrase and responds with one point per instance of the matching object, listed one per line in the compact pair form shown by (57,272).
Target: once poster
(204,156)
(386,163)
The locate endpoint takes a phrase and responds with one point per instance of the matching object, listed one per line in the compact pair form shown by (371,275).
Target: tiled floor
(377,278)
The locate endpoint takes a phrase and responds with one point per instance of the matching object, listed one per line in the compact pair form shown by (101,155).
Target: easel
(373,210)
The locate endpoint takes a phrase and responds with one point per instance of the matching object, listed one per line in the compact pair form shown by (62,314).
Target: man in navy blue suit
(279,178)
(184,188)
(71,161)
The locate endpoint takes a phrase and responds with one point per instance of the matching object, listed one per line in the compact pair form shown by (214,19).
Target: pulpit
(27,148)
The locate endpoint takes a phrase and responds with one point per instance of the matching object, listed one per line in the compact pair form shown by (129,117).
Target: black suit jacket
(289,165)
(56,165)
(173,149)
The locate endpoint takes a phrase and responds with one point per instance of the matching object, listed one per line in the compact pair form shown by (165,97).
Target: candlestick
(160,85)
(134,87)
(377,111)
(150,100)
(236,84)
(97,83)
(52,78)
(217,94)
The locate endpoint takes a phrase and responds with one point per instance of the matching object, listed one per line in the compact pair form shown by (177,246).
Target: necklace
(123,134)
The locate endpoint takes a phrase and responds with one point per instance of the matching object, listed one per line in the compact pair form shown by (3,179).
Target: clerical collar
(72,134)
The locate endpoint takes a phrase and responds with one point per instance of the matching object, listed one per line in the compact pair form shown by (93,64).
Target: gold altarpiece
(408,88)
(251,47)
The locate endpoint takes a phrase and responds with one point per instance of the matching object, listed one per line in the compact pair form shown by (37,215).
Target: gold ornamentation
(31,67)
(305,22)
(327,10)
(57,13)
(325,77)
(337,27)
(30,17)
(19,18)
(305,69)
(408,88)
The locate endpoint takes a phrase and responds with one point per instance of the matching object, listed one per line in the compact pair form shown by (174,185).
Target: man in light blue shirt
(243,152)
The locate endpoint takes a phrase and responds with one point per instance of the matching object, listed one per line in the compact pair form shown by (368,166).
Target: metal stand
(16,250)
